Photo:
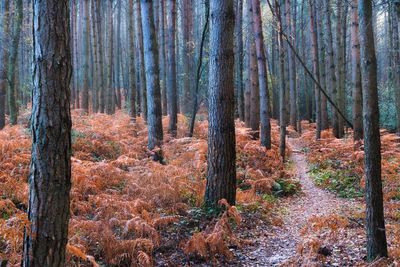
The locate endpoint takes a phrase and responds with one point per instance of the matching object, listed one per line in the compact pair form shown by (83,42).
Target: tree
(155,131)
(110,102)
(356,74)
(161,52)
(292,64)
(132,83)
(86,38)
(50,172)
(102,102)
(12,95)
(239,58)
(171,67)
(187,28)
(375,222)
(314,42)
(142,74)
(4,64)
(396,62)
(221,170)
(265,134)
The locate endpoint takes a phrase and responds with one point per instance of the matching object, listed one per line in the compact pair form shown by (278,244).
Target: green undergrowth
(344,182)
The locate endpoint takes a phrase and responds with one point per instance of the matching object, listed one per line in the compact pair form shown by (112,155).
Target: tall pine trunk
(86,38)
(4,63)
(375,222)
(221,166)
(132,76)
(155,131)
(50,170)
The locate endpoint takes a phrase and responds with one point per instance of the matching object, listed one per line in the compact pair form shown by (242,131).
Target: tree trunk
(171,68)
(4,63)
(314,41)
(221,170)
(265,134)
(332,67)
(100,57)
(155,130)
(110,91)
(356,74)
(396,63)
(292,66)
(142,75)
(187,94)
(161,49)
(375,222)
(132,80)
(12,102)
(86,38)
(50,170)
(239,59)
(118,60)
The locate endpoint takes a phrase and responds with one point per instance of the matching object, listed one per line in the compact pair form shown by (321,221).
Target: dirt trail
(275,244)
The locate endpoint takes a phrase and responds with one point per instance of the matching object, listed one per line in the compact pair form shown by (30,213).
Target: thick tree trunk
(12,96)
(50,171)
(155,131)
(314,41)
(356,74)
(86,38)
(265,134)
(132,76)
(221,170)
(375,222)
(171,68)
(4,63)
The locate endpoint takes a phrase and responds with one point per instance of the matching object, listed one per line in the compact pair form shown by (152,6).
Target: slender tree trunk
(110,91)
(155,130)
(265,134)
(356,74)
(239,59)
(132,79)
(396,63)
(4,63)
(102,81)
(86,38)
(161,49)
(332,67)
(221,170)
(50,171)
(340,64)
(375,222)
(171,68)
(142,75)
(314,41)
(118,60)
(292,65)
(12,102)
(187,16)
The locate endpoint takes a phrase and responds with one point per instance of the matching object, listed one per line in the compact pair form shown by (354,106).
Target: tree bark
(396,64)
(356,74)
(292,66)
(50,170)
(12,96)
(110,103)
(239,59)
(375,222)
(187,27)
(155,131)
(102,81)
(4,63)
(171,68)
(132,76)
(161,49)
(86,38)
(265,134)
(221,170)
(142,75)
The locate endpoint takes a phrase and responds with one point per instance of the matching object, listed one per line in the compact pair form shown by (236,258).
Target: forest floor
(278,245)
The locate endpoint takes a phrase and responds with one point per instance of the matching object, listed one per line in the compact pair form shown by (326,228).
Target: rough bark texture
(356,74)
(221,171)
(4,64)
(265,134)
(396,63)
(375,223)
(132,80)
(50,170)
(314,41)
(171,67)
(155,131)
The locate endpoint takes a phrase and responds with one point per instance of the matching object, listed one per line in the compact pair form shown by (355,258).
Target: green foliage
(339,181)
(285,187)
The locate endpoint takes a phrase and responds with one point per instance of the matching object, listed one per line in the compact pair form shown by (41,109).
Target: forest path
(276,244)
